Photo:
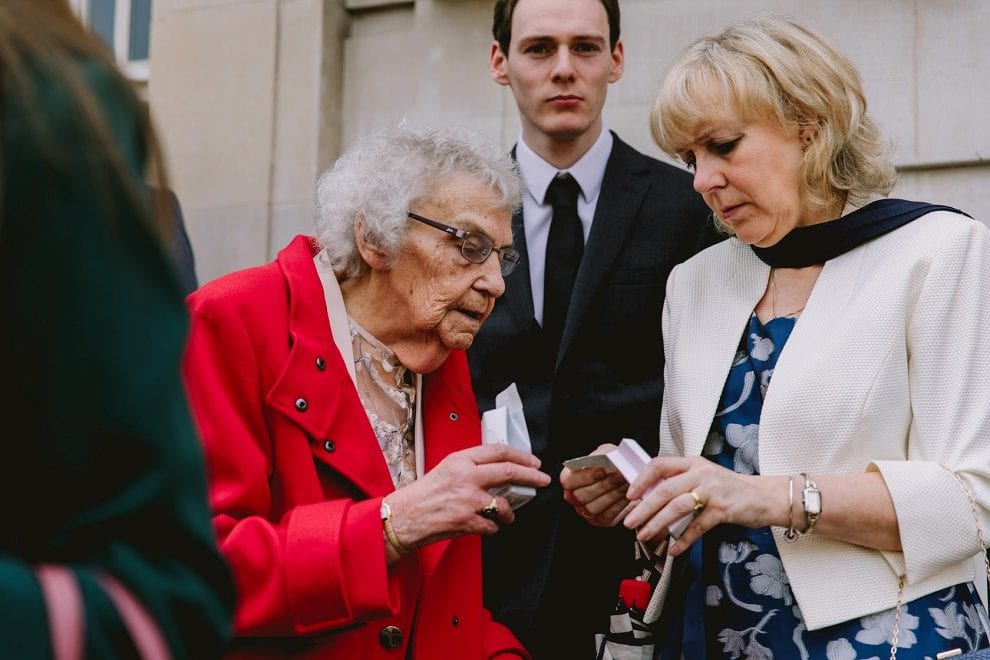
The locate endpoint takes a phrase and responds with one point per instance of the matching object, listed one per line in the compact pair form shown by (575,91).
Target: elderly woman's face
(444,298)
(748,174)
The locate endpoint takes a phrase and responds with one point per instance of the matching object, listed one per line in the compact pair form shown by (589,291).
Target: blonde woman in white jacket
(826,411)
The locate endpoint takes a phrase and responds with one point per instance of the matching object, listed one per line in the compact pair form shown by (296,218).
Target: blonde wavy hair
(775,67)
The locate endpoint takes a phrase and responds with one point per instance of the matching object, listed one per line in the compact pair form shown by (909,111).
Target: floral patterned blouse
(388,394)
(748,609)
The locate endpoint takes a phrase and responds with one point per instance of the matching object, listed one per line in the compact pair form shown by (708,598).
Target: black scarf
(816,244)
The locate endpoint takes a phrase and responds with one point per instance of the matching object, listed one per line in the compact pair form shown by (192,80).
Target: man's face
(559,67)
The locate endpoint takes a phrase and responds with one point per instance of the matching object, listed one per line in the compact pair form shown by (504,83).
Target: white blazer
(888,368)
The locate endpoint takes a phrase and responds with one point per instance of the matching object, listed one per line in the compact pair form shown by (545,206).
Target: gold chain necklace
(773,300)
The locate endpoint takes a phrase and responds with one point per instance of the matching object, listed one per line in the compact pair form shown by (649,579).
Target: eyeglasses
(476,248)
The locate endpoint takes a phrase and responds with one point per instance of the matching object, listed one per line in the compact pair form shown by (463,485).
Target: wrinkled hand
(446,501)
(663,490)
(599,496)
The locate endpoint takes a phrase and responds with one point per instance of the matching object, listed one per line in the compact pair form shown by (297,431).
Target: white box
(505,424)
(628,459)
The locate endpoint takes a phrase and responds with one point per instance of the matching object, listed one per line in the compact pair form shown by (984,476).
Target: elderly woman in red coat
(348,482)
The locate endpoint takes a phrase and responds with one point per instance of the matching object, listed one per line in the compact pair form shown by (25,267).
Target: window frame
(136,70)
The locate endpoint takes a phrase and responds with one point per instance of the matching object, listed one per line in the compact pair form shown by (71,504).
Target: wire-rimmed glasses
(476,247)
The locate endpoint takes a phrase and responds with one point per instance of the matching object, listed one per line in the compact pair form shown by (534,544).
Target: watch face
(812,501)
(385,511)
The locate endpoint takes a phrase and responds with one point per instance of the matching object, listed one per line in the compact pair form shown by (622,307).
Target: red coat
(297,476)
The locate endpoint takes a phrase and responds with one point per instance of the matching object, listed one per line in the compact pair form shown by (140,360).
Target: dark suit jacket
(179,245)
(603,385)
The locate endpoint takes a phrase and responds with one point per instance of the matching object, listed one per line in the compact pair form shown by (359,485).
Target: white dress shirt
(537,175)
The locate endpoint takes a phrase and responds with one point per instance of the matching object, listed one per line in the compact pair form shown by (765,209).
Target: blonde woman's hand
(672,487)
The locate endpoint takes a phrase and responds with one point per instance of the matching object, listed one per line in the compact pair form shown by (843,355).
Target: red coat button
(390,637)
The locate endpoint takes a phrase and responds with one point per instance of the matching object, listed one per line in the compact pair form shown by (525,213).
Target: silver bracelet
(790,534)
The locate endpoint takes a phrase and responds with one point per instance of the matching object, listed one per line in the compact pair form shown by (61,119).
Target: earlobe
(497,64)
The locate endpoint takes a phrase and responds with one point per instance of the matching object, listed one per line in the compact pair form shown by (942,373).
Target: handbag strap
(66,616)
(63,603)
(145,634)
(983,553)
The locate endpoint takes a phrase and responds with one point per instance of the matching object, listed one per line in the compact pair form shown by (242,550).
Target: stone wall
(256,97)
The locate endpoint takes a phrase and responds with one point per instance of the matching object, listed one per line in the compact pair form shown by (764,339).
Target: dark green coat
(102,469)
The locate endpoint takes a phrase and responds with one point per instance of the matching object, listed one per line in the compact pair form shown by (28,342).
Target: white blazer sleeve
(948,340)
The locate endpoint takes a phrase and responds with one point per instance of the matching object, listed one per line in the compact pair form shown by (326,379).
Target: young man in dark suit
(578,329)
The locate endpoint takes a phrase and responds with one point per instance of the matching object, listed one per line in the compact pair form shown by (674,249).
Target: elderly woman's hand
(448,500)
(599,496)
(671,487)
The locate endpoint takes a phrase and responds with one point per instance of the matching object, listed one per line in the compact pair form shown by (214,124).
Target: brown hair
(502,22)
(44,40)
(774,67)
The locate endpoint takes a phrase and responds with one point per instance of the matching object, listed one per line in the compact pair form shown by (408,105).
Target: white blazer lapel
(826,306)
(713,335)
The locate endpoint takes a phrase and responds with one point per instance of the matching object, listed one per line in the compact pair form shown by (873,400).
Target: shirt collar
(589,171)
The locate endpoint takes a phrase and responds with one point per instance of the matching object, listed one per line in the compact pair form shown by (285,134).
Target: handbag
(957,654)
(630,635)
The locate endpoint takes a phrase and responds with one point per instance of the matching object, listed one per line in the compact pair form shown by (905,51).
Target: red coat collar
(328,392)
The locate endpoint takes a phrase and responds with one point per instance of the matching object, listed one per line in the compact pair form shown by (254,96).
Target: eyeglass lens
(476,248)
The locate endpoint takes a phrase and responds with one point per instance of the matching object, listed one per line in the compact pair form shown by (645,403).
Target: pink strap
(65,612)
(63,601)
(145,633)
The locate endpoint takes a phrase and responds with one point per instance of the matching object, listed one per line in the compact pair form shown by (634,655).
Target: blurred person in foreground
(825,415)
(334,399)
(107,548)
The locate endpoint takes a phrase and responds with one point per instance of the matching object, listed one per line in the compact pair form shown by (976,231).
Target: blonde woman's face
(748,172)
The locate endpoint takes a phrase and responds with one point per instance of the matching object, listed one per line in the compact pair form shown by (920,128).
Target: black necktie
(565,245)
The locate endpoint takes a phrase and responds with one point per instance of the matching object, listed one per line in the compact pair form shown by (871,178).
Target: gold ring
(490,511)
(698,504)
(584,512)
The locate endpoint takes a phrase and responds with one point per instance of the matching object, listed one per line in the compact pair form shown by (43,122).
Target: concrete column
(246,96)
(256,97)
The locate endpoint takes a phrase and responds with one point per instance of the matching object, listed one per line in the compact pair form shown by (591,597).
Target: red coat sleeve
(499,643)
(317,567)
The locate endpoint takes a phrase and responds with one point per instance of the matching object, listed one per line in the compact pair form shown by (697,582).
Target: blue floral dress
(748,609)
